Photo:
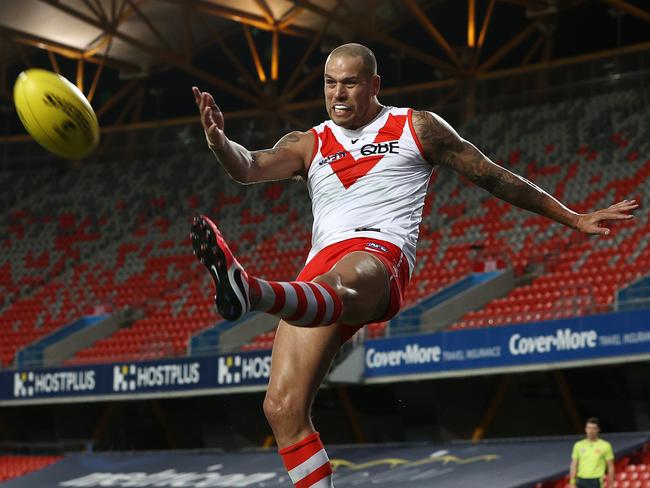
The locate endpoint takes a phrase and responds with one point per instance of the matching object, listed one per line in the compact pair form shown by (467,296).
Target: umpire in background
(590,457)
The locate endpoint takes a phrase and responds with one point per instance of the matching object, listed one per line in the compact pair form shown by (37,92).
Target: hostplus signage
(39,383)
(240,369)
(582,341)
(183,376)
(140,377)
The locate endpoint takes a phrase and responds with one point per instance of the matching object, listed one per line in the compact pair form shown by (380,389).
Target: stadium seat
(115,235)
(15,466)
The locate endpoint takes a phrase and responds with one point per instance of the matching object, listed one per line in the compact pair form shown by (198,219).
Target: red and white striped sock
(304,303)
(307,463)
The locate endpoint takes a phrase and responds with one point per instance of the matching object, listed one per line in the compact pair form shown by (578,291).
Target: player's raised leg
(335,296)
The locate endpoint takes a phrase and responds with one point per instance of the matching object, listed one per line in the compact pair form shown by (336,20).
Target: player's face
(592,431)
(349,93)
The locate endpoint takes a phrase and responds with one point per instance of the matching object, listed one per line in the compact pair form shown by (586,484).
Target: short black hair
(353,50)
(594,420)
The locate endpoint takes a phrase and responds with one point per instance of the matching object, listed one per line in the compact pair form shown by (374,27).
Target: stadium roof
(261,54)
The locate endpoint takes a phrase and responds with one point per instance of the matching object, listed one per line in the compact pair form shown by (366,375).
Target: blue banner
(580,341)
(557,341)
(103,381)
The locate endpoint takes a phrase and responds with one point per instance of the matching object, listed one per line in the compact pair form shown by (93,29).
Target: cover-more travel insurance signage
(579,341)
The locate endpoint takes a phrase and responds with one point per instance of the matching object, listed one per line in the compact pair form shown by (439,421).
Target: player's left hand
(589,223)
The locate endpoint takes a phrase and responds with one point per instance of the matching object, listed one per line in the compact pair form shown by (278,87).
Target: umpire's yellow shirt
(592,457)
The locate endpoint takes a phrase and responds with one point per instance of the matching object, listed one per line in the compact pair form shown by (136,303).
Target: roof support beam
(92,8)
(69,52)
(490,75)
(471,23)
(545,65)
(531,52)
(163,40)
(98,73)
(252,81)
(54,62)
(275,55)
(126,89)
(306,80)
(80,74)
(266,11)
(150,124)
(424,20)
(159,54)
(117,96)
(485,24)
(628,8)
(113,10)
(255,55)
(289,17)
(241,17)
(414,88)
(482,34)
(508,46)
(305,57)
(102,40)
(378,36)
(101,12)
(226,13)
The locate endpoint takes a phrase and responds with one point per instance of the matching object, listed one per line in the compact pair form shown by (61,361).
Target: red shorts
(389,254)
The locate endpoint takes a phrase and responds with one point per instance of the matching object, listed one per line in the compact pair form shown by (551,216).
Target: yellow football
(56,113)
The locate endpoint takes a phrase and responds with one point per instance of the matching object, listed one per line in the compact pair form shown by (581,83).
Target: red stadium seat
(15,466)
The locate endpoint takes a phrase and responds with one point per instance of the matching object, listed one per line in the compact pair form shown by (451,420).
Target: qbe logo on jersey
(43,383)
(235,370)
(133,377)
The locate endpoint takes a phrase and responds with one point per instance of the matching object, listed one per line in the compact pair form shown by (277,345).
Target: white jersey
(369,182)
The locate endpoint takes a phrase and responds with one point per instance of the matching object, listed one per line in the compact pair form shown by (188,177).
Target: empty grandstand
(116,368)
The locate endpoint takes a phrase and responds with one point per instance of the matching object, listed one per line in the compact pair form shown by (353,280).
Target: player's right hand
(590,223)
(211,118)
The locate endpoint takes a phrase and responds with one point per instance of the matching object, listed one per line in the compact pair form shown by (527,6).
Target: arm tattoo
(504,184)
(239,161)
(442,145)
(258,157)
(437,140)
(285,141)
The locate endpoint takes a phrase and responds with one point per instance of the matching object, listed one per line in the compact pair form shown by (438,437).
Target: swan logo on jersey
(332,158)
(391,147)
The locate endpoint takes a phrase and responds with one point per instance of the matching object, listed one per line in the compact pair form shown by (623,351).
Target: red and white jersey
(369,182)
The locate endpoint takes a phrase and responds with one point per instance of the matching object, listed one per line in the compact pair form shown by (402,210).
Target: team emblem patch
(330,159)
(373,246)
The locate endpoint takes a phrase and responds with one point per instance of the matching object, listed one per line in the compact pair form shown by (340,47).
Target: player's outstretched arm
(285,160)
(442,145)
